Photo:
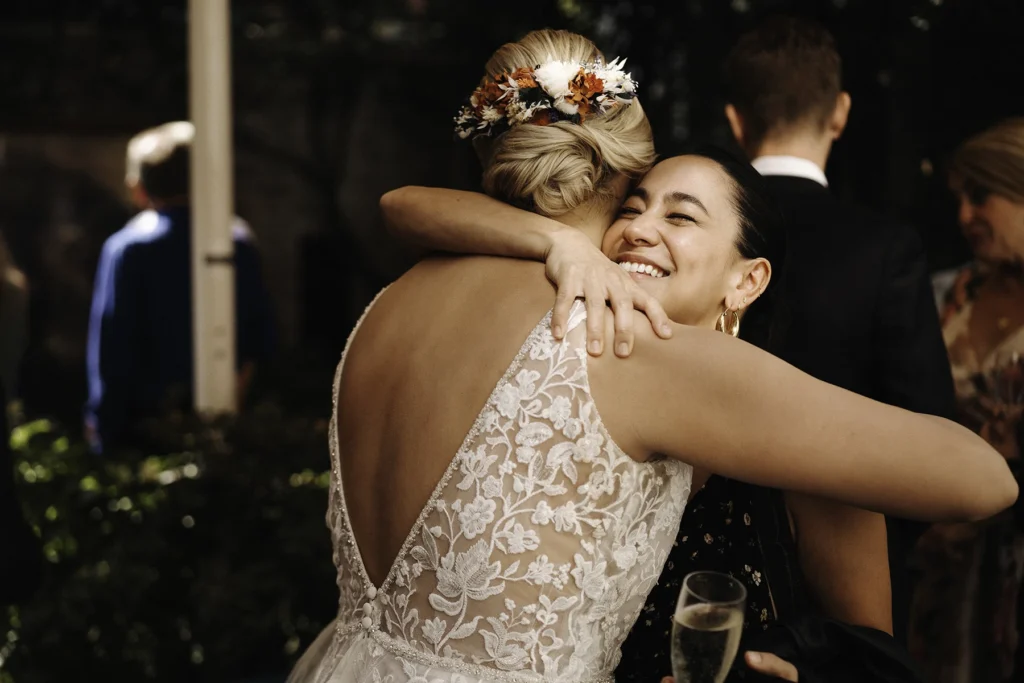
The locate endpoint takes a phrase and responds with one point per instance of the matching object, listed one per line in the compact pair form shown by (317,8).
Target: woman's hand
(765,663)
(471,223)
(770,665)
(579,269)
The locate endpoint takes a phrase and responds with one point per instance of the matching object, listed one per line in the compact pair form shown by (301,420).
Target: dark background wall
(339,101)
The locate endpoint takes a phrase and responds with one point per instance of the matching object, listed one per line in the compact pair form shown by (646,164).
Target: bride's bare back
(421,367)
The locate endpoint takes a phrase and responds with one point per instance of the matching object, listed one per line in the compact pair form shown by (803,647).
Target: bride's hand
(579,269)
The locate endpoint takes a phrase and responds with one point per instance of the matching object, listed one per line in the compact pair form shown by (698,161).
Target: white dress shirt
(790,166)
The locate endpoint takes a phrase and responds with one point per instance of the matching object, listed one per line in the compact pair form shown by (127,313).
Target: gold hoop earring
(730,326)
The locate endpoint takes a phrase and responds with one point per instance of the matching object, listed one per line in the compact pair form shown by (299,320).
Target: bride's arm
(721,404)
(469,223)
(473,223)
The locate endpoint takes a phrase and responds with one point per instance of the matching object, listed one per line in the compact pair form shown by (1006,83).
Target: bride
(517,541)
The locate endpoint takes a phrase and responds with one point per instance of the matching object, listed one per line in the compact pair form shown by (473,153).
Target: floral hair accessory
(553,91)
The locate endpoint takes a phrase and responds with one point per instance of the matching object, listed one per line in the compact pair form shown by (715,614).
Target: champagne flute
(707,626)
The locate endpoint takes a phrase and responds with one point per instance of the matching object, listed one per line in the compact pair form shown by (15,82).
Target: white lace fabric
(532,558)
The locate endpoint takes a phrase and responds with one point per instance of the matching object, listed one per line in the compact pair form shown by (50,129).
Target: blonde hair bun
(553,169)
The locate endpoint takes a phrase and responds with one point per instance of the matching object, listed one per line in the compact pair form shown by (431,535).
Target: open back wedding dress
(532,558)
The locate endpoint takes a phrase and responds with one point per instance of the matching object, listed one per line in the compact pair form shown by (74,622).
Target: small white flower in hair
(518,112)
(613,75)
(554,77)
(566,107)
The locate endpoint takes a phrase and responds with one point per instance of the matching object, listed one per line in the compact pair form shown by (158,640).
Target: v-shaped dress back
(533,556)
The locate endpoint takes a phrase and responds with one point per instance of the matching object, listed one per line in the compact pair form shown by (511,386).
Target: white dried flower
(566,107)
(554,77)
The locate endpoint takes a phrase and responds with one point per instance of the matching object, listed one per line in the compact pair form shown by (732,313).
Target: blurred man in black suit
(861,312)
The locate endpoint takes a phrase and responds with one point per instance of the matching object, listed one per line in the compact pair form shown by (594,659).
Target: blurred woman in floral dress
(966,623)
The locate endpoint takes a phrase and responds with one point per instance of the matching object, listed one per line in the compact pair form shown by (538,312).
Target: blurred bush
(203,558)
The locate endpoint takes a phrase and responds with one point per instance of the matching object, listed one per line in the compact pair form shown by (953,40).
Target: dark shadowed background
(336,102)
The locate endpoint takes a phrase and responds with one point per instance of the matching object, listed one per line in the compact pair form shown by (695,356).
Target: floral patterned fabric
(534,555)
(965,624)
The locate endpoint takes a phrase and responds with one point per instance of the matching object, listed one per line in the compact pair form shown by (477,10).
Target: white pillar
(213,281)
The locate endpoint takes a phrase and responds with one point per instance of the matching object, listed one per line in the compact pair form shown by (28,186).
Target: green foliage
(207,559)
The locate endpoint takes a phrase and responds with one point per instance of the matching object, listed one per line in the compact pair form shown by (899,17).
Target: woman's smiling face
(677,233)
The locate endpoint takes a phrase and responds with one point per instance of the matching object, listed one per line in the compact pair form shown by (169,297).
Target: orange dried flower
(487,96)
(541,118)
(489,93)
(589,85)
(523,78)
(583,88)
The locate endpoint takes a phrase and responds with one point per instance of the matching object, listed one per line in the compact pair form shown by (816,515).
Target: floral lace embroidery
(535,553)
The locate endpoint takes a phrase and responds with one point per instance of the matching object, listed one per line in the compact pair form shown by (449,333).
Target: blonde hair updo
(553,169)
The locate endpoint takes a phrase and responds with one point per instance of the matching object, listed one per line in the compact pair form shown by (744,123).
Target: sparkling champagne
(705,638)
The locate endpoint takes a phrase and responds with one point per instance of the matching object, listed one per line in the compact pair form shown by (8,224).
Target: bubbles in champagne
(705,639)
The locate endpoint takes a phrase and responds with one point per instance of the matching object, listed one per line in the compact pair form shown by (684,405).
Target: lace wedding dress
(532,558)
